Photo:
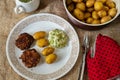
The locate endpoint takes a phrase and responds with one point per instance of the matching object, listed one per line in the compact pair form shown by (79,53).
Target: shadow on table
(44,3)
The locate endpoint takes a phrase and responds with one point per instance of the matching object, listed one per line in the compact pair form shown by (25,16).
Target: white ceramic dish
(67,56)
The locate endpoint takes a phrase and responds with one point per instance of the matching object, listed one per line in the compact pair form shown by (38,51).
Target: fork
(93,48)
(86,47)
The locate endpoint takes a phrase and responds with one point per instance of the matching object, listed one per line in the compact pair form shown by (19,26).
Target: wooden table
(8,19)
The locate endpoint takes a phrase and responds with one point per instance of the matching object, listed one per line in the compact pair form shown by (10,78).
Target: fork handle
(83,67)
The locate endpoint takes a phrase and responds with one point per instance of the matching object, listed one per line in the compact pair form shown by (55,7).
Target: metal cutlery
(92,49)
(92,52)
(85,47)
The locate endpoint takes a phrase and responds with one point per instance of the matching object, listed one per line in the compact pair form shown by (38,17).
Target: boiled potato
(78,14)
(110,4)
(89,20)
(81,6)
(68,2)
(102,13)
(71,7)
(51,58)
(106,8)
(96,21)
(98,5)
(42,42)
(93,11)
(105,19)
(90,9)
(95,15)
(103,1)
(77,1)
(39,34)
(87,15)
(90,3)
(112,12)
(47,51)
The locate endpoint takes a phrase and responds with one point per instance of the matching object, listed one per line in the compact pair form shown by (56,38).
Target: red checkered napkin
(106,62)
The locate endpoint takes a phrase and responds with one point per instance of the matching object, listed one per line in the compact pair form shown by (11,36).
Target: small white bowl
(84,25)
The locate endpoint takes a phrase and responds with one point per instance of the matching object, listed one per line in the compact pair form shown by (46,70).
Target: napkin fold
(106,62)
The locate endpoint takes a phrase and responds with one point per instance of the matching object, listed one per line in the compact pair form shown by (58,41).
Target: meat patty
(24,41)
(30,58)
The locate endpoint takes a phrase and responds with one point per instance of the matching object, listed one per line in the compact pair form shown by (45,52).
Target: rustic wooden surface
(8,19)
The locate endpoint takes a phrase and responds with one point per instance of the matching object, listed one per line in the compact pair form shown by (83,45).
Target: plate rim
(16,25)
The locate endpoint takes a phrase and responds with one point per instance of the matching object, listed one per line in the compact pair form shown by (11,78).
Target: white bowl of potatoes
(90,14)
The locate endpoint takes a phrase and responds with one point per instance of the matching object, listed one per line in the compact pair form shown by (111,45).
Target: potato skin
(42,42)
(112,12)
(105,19)
(90,3)
(51,58)
(77,0)
(96,21)
(98,5)
(78,14)
(47,51)
(39,34)
(103,1)
(89,20)
(95,15)
(81,6)
(90,9)
(110,4)
(102,13)
(87,15)
(106,8)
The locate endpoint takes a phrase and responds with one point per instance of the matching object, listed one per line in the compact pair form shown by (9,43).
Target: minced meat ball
(24,41)
(30,58)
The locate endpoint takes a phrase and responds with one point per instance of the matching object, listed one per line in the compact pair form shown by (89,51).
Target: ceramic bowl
(84,25)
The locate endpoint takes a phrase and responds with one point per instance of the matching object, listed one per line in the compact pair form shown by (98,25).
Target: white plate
(67,56)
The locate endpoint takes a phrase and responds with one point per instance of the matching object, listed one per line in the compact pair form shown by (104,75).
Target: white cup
(26,6)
